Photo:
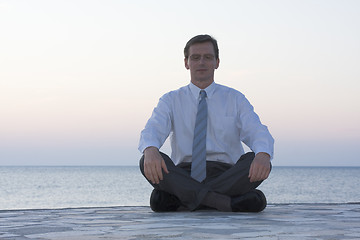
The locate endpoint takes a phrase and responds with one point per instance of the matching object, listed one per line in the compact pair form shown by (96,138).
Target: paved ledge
(294,221)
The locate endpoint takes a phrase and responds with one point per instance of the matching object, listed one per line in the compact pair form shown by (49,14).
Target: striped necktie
(198,166)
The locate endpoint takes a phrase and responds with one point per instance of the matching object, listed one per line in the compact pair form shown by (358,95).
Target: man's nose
(202,60)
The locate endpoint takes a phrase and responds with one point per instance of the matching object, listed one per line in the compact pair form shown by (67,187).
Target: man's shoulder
(228,90)
(176,93)
(180,90)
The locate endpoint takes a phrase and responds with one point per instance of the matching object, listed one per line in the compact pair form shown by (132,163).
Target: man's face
(202,63)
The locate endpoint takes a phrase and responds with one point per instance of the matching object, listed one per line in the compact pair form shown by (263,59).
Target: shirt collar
(196,91)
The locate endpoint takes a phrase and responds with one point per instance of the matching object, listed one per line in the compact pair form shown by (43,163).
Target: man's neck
(202,84)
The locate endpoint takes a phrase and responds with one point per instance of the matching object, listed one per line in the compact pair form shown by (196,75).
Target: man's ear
(217,63)
(186,63)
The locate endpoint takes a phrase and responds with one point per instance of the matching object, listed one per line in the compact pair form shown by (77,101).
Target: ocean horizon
(51,187)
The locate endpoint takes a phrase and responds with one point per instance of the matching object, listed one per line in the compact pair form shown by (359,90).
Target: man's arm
(258,138)
(156,131)
(252,132)
(260,167)
(153,165)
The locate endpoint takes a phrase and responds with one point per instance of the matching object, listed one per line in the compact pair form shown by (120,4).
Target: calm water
(63,187)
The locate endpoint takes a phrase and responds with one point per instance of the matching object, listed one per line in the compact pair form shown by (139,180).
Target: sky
(80,78)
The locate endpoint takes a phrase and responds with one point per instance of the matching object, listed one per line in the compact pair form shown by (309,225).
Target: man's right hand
(153,165)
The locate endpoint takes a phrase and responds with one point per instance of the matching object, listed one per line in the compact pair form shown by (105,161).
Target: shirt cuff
(142,147)
(265,150)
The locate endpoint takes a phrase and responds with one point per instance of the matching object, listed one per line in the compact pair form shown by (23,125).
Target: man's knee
(163,155)
(249,156)
(141,164)
(246,160)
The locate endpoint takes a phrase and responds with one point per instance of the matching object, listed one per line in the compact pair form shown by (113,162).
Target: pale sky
(79,78)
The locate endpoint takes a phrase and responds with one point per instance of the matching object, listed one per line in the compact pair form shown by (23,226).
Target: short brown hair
(201,39)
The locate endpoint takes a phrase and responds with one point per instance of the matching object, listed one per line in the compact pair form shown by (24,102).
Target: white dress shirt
(231,120)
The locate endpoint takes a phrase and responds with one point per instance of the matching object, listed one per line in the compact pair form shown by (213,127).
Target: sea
(54,187)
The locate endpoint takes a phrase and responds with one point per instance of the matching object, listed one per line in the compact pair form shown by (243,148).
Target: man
(207,123)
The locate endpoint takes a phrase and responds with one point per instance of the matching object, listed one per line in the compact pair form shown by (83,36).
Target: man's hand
(260,167)
(153,165)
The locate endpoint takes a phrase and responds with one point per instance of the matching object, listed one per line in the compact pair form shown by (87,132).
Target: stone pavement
(294,221)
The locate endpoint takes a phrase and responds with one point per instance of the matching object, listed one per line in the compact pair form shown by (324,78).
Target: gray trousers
(227,179)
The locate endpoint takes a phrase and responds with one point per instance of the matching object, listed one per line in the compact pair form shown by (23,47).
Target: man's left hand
(260,167)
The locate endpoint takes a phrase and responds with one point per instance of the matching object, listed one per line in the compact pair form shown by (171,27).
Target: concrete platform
(295,221)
